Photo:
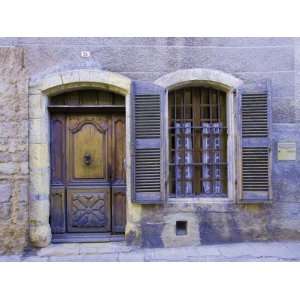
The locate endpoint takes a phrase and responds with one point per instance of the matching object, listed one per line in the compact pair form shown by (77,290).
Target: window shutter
(147,143)
(255,157)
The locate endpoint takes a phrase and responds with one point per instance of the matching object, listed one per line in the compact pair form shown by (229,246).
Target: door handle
(87,158)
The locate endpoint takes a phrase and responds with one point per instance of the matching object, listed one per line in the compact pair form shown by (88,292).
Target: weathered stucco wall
(13,151)
(250,59)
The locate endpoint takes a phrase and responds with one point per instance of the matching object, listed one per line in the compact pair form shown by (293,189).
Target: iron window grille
(197,143)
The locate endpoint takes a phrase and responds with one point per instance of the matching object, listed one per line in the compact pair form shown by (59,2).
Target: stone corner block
(39,156)
(40,235)
(38,131)
(37,106)
(5,192)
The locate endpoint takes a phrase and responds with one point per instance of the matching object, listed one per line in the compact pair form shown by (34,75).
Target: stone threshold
(87,238)
(71,249)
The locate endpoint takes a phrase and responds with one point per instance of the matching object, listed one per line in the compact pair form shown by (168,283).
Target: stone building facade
(34,70)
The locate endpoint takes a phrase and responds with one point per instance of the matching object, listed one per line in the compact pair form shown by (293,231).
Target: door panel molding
(118,209)
(119,149)
(58,210)
(79,144)
(88,210)
(58,148)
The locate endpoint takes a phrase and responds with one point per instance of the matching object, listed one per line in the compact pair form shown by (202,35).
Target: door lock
(87,158)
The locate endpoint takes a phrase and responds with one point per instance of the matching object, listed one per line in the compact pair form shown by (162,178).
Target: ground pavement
(119,251)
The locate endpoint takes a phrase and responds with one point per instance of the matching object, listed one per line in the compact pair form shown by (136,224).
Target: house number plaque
(286,151)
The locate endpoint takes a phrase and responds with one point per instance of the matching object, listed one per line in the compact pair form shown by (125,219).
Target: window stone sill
(200,200)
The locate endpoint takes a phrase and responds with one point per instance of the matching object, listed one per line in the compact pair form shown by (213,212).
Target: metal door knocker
(87,158)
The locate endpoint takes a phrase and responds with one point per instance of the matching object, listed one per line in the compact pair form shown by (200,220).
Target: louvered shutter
(254,176)
(147,143)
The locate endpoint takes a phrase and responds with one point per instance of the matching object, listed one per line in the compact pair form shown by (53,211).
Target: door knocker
(87,158)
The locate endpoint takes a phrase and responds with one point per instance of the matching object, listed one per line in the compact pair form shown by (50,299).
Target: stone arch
(212,77)
(39,153)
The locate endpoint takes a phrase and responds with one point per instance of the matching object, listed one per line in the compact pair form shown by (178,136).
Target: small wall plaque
(85,54)
(286,151)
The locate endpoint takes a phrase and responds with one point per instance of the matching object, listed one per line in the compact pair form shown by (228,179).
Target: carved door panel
(88,210)
(88,173)
(89,149)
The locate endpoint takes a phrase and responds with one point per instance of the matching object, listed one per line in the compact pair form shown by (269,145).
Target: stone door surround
(39,158)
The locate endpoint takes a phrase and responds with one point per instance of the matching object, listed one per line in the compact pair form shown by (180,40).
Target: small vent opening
(181,227)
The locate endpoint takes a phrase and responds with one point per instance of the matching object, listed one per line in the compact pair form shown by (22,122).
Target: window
(197,142)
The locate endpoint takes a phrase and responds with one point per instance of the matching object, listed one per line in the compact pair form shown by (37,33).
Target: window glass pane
(197,142)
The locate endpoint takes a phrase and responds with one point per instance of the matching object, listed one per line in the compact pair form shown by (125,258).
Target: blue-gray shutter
(255,163)
(147,143)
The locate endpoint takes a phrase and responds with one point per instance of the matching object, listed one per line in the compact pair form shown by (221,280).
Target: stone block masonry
(13,151)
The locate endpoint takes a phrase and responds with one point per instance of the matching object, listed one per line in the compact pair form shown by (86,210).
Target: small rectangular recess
(181,227)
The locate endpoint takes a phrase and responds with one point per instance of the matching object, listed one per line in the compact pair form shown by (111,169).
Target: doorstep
(73,249)
(87,238)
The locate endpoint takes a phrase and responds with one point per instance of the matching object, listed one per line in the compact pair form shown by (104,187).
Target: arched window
(197,142)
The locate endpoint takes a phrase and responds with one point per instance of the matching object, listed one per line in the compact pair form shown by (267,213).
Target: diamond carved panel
(88,211)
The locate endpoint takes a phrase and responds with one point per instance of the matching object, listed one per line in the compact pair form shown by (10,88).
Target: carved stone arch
(198,76)
(40,89)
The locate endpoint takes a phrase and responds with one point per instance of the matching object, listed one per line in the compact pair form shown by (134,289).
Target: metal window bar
(198,141)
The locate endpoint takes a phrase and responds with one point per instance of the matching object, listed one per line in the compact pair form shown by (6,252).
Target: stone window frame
(40,89)
(218,80)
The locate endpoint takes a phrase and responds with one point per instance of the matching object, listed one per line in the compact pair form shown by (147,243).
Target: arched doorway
(87,146)
(41,89)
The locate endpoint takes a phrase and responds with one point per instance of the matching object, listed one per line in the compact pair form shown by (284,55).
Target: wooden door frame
(40,89)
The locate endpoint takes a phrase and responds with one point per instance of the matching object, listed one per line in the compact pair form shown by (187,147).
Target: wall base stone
(40,236)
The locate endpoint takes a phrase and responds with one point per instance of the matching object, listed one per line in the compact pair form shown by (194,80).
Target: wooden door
(88,174)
